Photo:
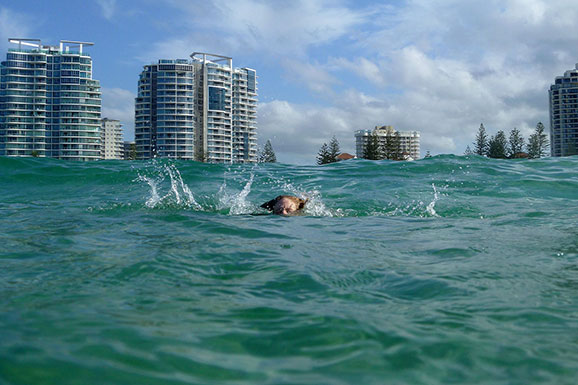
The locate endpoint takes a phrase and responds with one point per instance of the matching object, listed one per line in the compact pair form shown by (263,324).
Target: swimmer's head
(285,205)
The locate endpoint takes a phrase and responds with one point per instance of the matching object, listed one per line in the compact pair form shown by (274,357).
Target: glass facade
(217,98)
(251,81)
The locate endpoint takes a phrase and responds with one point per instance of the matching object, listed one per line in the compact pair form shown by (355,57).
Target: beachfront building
(214,131)
(564,114)
(49,103)
(129,150)
(409,141)
(201,109)
(226,113)
(244,115)
(164,110)
(111,139)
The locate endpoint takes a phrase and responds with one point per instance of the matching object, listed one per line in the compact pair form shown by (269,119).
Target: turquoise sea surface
(447,270)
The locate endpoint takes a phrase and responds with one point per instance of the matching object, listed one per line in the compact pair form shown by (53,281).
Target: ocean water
(448,270)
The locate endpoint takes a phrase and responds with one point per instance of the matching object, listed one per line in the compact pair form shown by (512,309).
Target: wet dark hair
(271,204)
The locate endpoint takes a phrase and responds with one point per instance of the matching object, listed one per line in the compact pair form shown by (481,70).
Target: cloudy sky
(328,68)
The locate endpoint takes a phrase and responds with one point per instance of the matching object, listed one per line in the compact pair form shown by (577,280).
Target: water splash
(154,198)
(234,196)
(236,203)
(178,194)
(431,206)
(316,207)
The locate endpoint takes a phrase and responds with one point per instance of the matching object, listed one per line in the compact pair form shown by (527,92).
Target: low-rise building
(111,145)
(409,141)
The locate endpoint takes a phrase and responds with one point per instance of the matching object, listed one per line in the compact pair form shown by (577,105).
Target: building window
(251,81)
(216,98)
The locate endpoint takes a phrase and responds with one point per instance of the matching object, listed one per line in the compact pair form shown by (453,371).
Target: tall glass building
(201,109)
(564,114)
(49,104)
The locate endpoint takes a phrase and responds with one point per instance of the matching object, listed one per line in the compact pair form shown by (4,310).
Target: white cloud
(12,25)
(275,27)
(530,12)
(108,8)
(284,27)
(312,76)
(362,67)
(178,48)
(119,104)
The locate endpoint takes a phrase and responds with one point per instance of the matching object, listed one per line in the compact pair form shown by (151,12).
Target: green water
(448,270)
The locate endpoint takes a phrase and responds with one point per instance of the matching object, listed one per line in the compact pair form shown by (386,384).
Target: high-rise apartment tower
(49,103)
(164,111)
(201,109)
(564,114)
(244,115)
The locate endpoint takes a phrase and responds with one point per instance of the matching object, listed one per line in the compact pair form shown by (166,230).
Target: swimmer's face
(285,206)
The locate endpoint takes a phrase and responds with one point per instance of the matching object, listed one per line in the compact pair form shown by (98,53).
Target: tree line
(502,147)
